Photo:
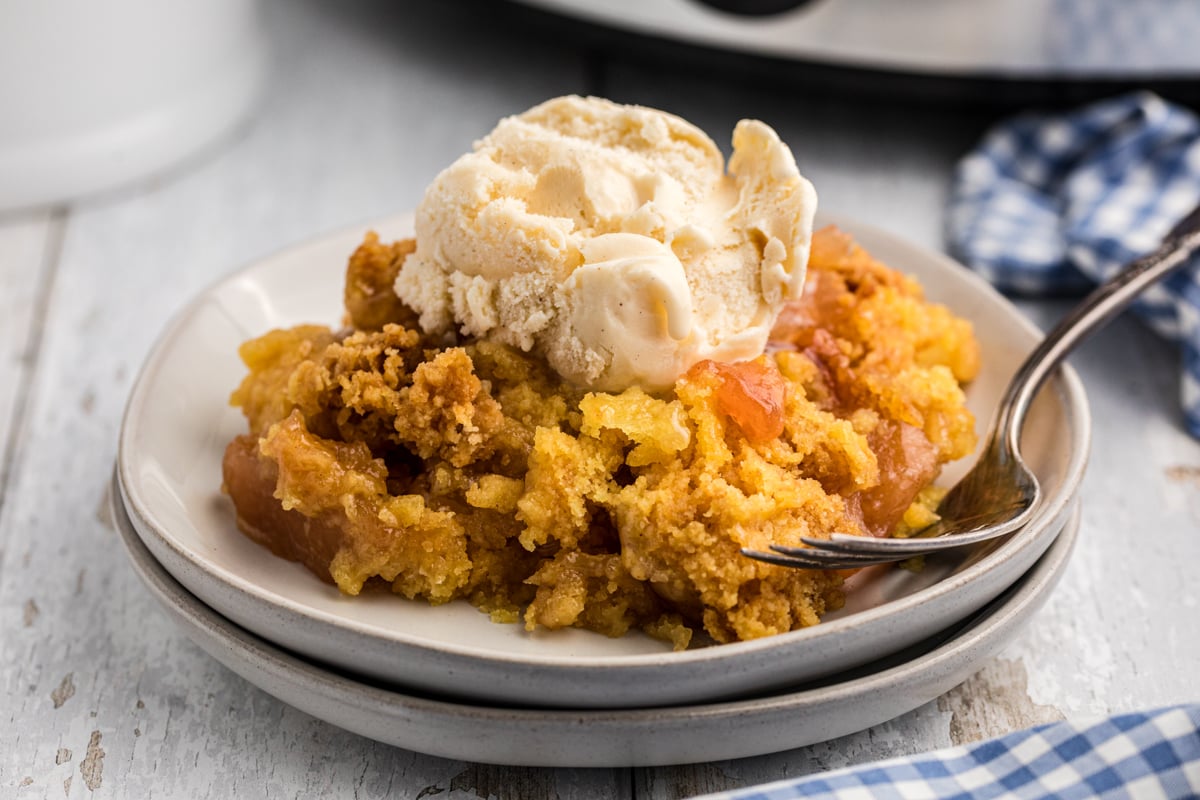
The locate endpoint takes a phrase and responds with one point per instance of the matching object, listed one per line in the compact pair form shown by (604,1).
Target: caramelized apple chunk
(751,393)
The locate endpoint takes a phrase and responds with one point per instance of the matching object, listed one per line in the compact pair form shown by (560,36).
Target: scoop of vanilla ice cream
(609,239)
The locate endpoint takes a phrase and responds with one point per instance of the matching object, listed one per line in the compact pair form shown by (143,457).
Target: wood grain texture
(996,699)
(1120,629)
(28,254)
(104,698)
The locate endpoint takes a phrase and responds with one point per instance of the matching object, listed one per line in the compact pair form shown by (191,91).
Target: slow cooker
(1015,44)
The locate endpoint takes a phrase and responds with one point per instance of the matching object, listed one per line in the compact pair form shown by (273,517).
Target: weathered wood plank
(102,694)
(1120,627)
(28,252)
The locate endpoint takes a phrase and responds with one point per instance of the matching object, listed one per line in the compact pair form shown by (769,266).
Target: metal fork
(1000,493)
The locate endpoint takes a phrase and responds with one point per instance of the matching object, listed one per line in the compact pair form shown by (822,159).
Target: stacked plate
(447,681)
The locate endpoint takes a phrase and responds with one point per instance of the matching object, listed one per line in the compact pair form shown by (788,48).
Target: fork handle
(1102,305)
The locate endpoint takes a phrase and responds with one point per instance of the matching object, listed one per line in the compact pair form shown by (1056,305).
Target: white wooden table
(102,696)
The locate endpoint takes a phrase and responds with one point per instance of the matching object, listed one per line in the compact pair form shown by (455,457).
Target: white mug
(94,95)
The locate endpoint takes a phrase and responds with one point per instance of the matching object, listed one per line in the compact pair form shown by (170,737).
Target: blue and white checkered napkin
(1055,203)
(1155,754)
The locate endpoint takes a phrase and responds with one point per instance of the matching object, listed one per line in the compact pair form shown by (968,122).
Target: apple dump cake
(599,370)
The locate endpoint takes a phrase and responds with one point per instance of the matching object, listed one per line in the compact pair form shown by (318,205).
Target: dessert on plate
(604,365)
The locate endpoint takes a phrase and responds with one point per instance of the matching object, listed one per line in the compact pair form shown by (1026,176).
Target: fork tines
(811,558)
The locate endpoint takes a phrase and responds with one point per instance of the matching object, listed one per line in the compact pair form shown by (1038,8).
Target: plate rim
(1066,383)
(957,658)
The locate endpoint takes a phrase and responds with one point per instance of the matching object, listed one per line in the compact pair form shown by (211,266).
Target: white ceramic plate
(178,421)
(613,738)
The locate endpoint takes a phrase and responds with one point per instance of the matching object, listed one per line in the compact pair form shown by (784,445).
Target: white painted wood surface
(102,697)
(28,254)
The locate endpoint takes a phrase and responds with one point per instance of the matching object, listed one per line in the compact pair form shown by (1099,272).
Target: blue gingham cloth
(1155,754)
(1055,203)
